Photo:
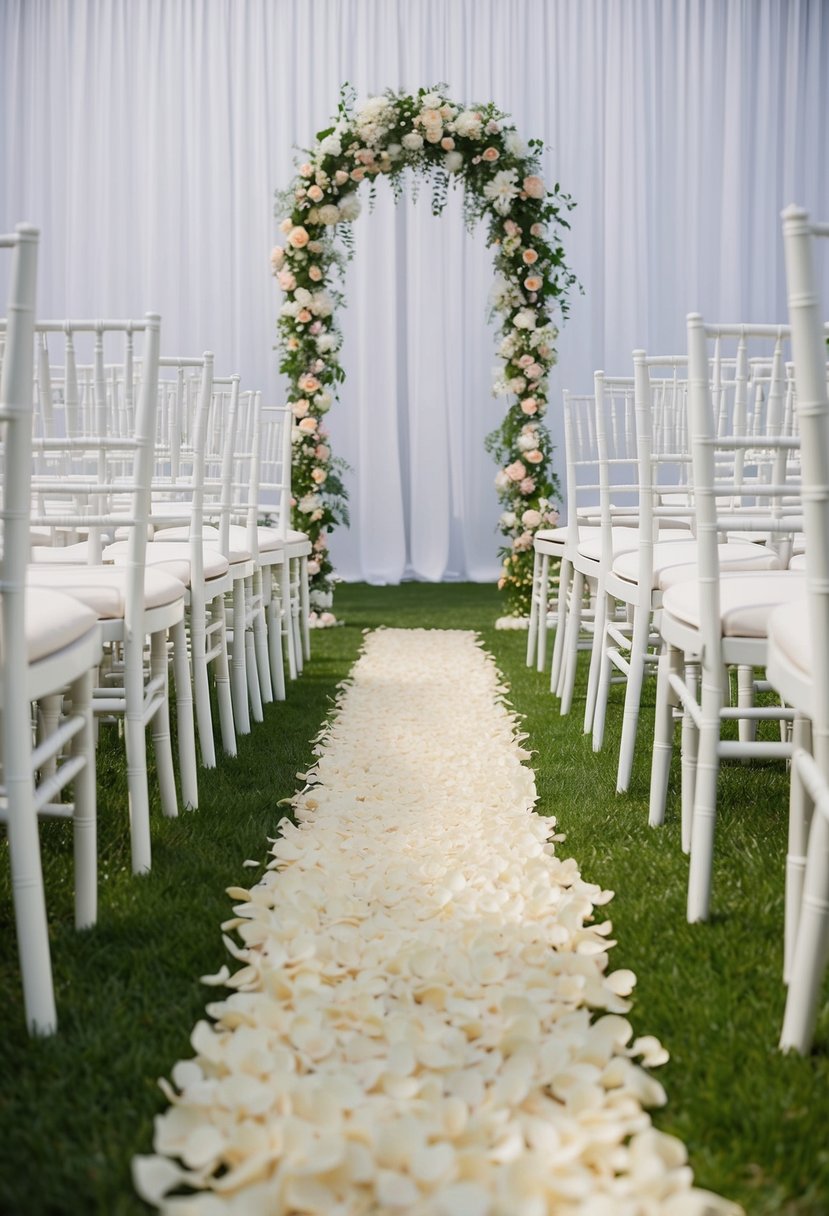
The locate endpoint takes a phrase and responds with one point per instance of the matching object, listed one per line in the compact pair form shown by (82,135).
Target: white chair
(664,509)
(49,645)
(798,656)
(184,545)
(718,620)
(96,482)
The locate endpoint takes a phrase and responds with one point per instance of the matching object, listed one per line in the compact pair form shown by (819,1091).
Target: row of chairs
(146,504)
(697,544)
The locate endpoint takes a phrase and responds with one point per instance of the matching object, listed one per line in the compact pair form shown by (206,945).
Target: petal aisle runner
(423,1021)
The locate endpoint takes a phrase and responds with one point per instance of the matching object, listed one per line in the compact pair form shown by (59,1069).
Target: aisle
(424,1021)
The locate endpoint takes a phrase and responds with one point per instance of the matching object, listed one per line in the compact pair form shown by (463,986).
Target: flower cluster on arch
(478,148)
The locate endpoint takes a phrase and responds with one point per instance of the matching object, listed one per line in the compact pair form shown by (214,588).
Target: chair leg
(305,607)
(84,822)
(600,617)
(565,575)
(571,643)
(296,608)
(252,672)
(747,727)
(663,736)
(633,694)
(29,900)
(601,671)
(201,685)
(159,666)
(287,614)
(689,753)
(543,609)
(532,630)
(185,728)
(275,655)
(705,798)
(812,946)
(238,665)
(48,712)
(800,814)
(136,748)
(260,637)
(222,678)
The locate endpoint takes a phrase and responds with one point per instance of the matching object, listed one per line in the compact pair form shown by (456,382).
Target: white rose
(508,519)
(515,145)
(289,309)
(412,142)
(531,519)
(453,162)
(323,305)
(468,123)
(526,443)
(331,146)
(323,402)
(394,151)
(303,297)
(431,101)
(502,481)
(350,207)
(329,214)
(325,343)
(524,319)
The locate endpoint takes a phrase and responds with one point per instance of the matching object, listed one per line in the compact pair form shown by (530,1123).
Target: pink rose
(525,361)
(308,426)
(534,186)
(298,237)
(300,409)
(316,328)
(511,228)
(516,471)
(357,174)
(529,405)
(529,256)
(527,486)
(313,567)
(447,143)
(537,230)
(286,225)
(292,343)
(306,170)
(533,282)
(531,518)
(277,258)
(286,280)
(490,154)
(535,371)
(322,452)
(314,193)
(314,273)
(309,384)
(535,457)
(341,177)
(318,476)
(303,316)
(365,156)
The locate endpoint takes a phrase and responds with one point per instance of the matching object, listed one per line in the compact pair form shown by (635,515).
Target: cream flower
(502,190)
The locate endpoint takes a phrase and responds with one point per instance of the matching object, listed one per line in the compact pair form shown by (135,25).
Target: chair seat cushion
(103,588)
(667,555)
(174,557)
(798,562)
(54,621)
(790,633)
(625,540)
(61,555)
(239,551)
(746,600)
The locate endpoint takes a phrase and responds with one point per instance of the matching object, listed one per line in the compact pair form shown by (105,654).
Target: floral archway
(475,146)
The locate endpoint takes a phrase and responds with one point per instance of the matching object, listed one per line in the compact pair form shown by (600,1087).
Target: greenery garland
(475,146)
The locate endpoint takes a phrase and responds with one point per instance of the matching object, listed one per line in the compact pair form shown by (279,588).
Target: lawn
(75,1109)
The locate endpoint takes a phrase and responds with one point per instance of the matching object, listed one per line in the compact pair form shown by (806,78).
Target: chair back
(618,458)
(801,240)
(274,491)
(745,479)
(581,455)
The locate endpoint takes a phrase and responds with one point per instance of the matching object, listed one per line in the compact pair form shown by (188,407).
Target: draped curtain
(146,139)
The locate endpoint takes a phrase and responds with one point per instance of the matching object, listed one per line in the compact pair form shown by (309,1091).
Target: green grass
(74,1109)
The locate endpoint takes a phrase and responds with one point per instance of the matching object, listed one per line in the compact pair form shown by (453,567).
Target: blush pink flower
(308,426)
(286,280)
(535,371)
(529,256)
(537,230)
(314,273)
(306,170)
(529,405)
(516,471)
(357,174)
(313,567)
(300,408)
(490,154)
(535,456)
(303,316)
(286,225)
(309,384)
(447,143)
(318,476)
(534,186)
(315,194)
(527,485)
(533,282)
(322,452)
(511,228)
(277,258)
(341,177)
(298,237)
(525,361)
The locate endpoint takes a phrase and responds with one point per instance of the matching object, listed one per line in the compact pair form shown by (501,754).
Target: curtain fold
(147,139)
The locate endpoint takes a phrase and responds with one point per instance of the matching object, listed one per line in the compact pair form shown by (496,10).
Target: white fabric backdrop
(146,139)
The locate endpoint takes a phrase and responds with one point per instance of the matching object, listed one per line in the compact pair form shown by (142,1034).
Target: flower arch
(477,147)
